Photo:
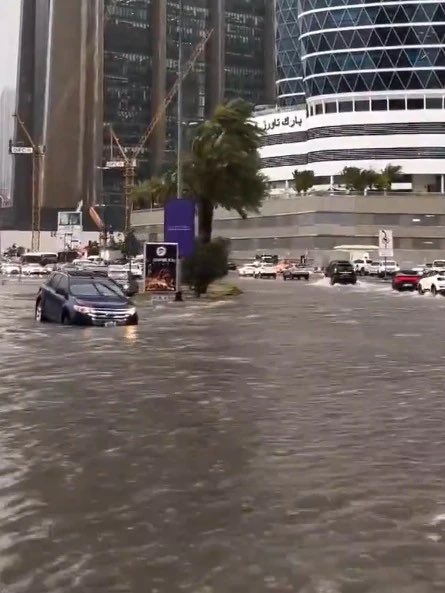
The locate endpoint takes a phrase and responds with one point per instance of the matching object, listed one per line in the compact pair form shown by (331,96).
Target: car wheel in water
(66,320)
(420,289)
(39,315)
(433,290)
(332,281)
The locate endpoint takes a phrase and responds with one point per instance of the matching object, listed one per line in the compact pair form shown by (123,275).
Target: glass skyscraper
(141,65)
(354,46)
(88,65)
(289,68)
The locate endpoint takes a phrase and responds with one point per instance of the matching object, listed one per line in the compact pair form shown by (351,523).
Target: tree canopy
(221,170)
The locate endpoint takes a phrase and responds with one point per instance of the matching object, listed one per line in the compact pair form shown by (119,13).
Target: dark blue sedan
(81,298)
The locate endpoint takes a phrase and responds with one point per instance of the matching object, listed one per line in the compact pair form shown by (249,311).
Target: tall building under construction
(89,65)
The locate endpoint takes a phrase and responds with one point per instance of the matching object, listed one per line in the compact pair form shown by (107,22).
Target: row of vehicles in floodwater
(380,268)
(270,267)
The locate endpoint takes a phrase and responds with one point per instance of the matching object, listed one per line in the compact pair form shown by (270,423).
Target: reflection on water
(291,441)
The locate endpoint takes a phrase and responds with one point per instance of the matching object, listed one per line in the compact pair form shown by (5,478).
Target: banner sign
(69,222)
(179,225)
(160,267)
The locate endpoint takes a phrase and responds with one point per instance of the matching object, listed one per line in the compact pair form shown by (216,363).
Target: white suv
(433,282)
(388,268)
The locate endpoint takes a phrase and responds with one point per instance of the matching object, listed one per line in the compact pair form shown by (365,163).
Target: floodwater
(292,440)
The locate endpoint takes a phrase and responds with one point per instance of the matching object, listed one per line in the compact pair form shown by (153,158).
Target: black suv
(83,298)
(341,272)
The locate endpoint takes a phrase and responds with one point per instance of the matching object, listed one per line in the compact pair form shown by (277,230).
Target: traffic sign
(386,243)
(22,150)
(119,164)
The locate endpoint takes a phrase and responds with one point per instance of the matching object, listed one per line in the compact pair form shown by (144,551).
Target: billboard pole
(179,169)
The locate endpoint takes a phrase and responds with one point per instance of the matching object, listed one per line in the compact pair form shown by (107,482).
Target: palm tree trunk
(205,220)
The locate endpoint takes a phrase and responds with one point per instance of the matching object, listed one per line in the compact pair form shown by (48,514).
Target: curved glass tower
(350,46)
(290,77)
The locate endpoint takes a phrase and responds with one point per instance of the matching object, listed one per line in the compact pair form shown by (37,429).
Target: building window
(434,103)
(379,105)
(397,105)
(345,106)
(415,104)
(330,107)
(362,106)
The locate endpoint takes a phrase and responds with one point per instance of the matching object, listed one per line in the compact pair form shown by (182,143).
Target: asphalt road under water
(292,440)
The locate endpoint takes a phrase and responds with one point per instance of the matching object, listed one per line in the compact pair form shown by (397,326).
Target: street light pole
(180,106)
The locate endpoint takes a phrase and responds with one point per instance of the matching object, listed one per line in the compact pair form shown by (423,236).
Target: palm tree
(388,176)
(303,180)
(359,180)
(153,192)
(222,169)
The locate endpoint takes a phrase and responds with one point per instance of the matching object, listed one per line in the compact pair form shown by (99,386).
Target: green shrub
(207,264)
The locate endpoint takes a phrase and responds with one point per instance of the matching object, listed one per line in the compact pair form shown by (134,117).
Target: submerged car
(296,273)
(405,280)
(341,272)
(81,298)
(247,270)
(266,270)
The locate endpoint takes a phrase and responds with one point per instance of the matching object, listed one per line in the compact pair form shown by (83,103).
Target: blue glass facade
(350,46)
(290,78)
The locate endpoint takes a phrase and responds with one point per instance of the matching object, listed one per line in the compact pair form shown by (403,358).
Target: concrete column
(270,64)
(159,80)
(215,66)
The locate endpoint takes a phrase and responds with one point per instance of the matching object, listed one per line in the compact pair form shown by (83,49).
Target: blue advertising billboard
(179,225)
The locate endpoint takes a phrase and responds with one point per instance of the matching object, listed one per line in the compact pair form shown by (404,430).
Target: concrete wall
(279,228)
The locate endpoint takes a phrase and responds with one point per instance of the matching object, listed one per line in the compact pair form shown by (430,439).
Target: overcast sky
(9,39)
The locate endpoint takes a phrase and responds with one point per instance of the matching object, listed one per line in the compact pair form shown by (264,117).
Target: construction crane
(38,164)
(130,157)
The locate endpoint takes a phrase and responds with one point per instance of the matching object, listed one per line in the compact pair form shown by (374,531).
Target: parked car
(341,272)
(266,270)
(372,268)
(405,280)
(82,298)
(433,282)
(10,269)
(388,268)
(360,266)
(438,265)
(33,269)
(126,281)
(231,266)
(247,270)
(296,273)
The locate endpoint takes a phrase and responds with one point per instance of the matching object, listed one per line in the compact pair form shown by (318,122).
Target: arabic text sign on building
(160,267)
(281,123)
(386,243)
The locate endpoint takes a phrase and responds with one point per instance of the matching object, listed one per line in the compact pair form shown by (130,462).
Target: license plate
(407,285)
(110,324)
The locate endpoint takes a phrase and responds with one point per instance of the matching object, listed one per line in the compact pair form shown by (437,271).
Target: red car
(405,280)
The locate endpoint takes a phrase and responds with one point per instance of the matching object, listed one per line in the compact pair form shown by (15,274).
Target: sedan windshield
(95,289)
